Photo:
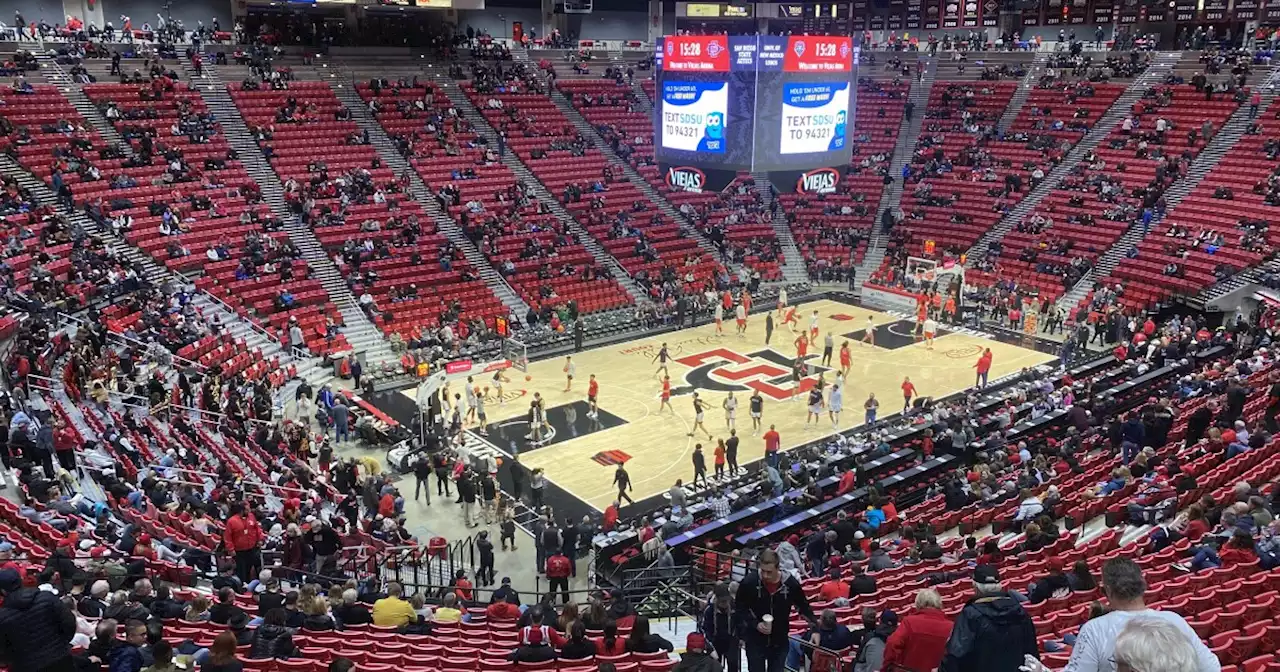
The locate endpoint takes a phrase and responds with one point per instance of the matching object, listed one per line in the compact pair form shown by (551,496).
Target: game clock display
(754,102)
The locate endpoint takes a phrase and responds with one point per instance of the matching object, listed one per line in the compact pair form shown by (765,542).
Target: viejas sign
(686,178)
(820,181)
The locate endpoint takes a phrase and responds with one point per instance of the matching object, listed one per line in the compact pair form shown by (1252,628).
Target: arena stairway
(308,369)
(56,75)
(392,158)
(637,85)
(521,171)
(793,268)
(1222,142)
(593,136)
(891,197)
(1161,66)
(1023,91)
(358,329)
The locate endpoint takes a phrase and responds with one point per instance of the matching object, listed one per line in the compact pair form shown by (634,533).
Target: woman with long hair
(643,641)
(222,655)
(568,616)
(610,643)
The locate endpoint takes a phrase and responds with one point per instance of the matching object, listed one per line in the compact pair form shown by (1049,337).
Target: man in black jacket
(422,472)
(763,606)
(35,628)
(993,632)
(1046,587)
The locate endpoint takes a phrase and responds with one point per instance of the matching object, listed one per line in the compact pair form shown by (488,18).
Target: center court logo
(766,371)
(963,352)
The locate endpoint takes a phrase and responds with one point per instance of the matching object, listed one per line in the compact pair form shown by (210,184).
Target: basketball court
(580,453)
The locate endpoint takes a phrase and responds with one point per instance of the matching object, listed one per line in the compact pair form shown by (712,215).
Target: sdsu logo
(723,370)
(820,181)
(714,49)
(686,178)
(844,50)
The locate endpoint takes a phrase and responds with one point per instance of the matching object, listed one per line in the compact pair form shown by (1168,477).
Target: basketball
(528,378)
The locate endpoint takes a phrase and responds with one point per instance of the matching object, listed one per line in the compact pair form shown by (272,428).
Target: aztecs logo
(768,371)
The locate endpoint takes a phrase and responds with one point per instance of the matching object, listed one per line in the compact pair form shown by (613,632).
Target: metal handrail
(135,342)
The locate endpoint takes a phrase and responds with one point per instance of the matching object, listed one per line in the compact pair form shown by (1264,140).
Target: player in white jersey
(741,314)
(782,299)
(470,390)
(835,401)
(930,329)
(813,327)
(498,379)
(569,369)
(719,319)
(730,411)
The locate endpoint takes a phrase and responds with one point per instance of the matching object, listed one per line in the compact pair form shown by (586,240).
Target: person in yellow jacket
(393,610)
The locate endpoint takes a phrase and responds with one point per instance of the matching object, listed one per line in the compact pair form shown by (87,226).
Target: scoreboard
(755,102)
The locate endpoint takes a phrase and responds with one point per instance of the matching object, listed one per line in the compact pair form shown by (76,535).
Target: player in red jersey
(802,346)
(846,359)
(666,395)
(593,390)
(790,319)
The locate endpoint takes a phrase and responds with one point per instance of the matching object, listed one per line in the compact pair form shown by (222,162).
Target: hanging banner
(971,18)
(950,13)
(1031,15)
(1246,10)
(1103,12)
(1053,13)
(914,14)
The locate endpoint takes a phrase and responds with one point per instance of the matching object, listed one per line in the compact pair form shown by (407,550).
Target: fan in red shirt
(833,588)
(984,367)
(772,441)
(241,536)
(908,391)
(505,610)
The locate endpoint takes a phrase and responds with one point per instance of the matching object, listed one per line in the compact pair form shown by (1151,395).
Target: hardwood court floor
(581,453)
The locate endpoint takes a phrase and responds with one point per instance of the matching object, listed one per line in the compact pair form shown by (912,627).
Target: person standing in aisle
(484,575)
(422,472)
(719,458)
(731,452)
(763,605)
